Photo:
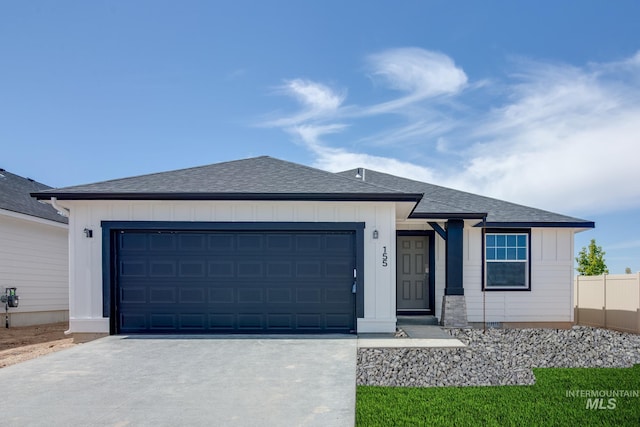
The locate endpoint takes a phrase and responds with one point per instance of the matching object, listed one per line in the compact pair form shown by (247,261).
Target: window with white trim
(506,261)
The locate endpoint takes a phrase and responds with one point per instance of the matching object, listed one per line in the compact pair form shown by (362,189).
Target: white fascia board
(33,219)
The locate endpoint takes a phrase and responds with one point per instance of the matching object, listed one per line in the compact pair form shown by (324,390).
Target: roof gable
(442,202)
(263,178)
(15,197)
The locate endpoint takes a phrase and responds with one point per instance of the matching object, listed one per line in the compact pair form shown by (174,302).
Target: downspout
(63,211)
(484,291)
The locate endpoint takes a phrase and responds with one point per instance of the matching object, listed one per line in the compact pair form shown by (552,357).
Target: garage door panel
(249,269)
(251,321)
(309,242)
(309,296)
(250,296)
(339,243)
(133,295)
(162,268)
(226,282)
(335,321)
(280,269)
(221,295)
(279,296)
(308,269)
(222,322)
(192,242)
(134,321)
(309,321)
(193,268)
(163,321)
(133,267)
(133,241)
(162,295)
(193,322)
(221,269)
(221,242)
(192,295)
(162,242)
(337,268)
(280,242)
(337,295)
(250,242)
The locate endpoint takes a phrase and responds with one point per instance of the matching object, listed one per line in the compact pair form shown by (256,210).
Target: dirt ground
(18,344)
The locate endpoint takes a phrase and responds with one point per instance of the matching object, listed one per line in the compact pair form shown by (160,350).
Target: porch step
(417,320)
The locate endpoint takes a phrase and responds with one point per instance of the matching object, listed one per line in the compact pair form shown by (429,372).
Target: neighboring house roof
(258,178)
(15,197)
(442,203)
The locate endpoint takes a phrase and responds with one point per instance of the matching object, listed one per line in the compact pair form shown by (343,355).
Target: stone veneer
(454,312)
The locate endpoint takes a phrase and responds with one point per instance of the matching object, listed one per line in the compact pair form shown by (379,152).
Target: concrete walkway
(422,332)
(173,381)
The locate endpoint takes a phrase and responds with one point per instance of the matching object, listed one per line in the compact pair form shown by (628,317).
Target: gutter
(333,197)
(63,211)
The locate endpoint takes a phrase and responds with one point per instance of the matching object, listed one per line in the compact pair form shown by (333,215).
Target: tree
(627,270)
(591,261)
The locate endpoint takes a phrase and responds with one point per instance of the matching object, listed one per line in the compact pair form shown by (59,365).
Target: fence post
(577,302)
(604,291)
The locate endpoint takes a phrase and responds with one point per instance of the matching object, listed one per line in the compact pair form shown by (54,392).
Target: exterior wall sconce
(88,233)
(375,234)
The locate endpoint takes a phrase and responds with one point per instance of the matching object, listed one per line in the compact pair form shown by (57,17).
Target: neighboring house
(34,253)
(263,245)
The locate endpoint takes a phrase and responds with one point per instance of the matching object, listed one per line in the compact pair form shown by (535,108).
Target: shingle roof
(266,178)
(15,197)
(262,178)
(442,202)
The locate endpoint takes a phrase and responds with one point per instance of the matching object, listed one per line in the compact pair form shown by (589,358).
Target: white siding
(34,259)
(551,295)
(550,298)
(86,254)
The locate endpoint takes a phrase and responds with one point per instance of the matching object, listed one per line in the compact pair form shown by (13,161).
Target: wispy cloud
(317,97)
(564,138)
(419,73)
(556,136)
(319,102)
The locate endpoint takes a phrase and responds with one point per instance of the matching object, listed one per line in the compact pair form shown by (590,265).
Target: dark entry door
(412,274)
(235,282)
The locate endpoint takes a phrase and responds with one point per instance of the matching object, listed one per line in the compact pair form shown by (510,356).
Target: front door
(412,275)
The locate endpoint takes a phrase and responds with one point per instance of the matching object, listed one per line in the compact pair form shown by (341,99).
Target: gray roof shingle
(442,202)
(255,178)
(15,197)
(267,178)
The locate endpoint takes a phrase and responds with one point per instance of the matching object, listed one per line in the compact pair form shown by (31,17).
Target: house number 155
(385,257)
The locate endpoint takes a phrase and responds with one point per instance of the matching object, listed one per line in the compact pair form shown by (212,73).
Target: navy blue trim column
(454,285)
(454,306)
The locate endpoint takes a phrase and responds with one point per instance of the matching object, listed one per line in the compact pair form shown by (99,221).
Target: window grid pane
(506,247)
(506,255)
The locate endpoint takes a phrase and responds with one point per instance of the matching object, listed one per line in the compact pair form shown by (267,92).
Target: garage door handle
(353,288)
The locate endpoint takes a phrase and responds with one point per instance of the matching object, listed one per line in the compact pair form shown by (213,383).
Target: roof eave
(550,224)
(448,215)
(359,197)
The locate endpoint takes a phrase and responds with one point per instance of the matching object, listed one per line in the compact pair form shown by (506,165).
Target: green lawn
(544,404)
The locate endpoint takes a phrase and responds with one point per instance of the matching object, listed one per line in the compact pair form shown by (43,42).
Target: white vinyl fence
(609,301)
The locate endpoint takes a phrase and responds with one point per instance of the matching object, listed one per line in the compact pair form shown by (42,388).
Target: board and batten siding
(34,256)
(86,253)
(551,295)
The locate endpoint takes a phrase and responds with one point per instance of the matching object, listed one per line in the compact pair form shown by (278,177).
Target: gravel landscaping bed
(497,357)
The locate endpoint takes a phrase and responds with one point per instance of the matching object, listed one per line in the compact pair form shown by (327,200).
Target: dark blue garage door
(235,282)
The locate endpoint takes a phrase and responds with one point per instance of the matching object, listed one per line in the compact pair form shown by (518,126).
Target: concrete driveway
(212,381)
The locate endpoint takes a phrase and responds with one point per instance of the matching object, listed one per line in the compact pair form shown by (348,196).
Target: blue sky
(532,102)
